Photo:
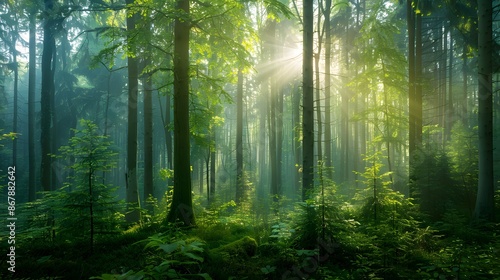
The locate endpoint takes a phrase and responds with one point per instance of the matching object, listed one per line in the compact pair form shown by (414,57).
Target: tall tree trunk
(182,206)
(414,84)
(411,79)
(308,102)
(451,113)
(271,44)
(46,93)
(168,132)
(31,107)
(464,117)
(319,132)
(148,139)
(213,157)
(485,203)
(328,125)
(418,80)
(16,84)
(296,138)
(239,138)
(132,196)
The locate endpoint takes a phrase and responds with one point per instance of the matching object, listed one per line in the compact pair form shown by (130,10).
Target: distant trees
(365,79)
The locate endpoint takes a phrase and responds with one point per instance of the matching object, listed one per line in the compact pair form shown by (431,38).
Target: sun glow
(286,65)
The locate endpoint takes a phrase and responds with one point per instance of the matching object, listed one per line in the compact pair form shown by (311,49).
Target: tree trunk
(31,107)
(46,93)
(148,140)
(464,117)
(181,207)
(213,156)
(308,102)
(132,197)
(239,139)
(296,138)
(485,202)
(328,53)
(16,83)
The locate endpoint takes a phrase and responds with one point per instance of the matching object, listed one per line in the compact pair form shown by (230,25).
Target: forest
(250,139)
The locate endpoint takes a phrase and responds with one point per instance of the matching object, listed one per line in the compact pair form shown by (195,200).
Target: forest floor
(236,249)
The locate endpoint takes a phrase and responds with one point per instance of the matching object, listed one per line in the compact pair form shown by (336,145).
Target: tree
(485,203)
(239,139)
(182,205)
(414,26)
(47,93)
(132,192)
(31,105)
(328,58)
(91,200)
(308,100)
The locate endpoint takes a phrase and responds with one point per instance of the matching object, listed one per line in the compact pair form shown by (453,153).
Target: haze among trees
(259,139)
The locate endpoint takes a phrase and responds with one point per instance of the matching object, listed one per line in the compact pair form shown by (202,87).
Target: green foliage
(170,259)
(463,153)
(85,206)
(379,201)
(432,184)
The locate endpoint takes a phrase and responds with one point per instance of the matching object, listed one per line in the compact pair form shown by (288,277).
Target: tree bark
(239,138)
(181,207)
(132,196)
(484,202)
(148,139)
(31,107)
(328,54)
(46,93)
(308,102)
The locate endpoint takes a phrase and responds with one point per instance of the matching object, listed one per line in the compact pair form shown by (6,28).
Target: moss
(244,247)
(232,259)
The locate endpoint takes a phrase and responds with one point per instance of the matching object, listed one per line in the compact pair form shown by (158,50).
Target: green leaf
(268,269)
(169,248)
(193,256)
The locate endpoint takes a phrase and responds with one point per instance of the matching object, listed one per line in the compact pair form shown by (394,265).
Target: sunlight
(287,65)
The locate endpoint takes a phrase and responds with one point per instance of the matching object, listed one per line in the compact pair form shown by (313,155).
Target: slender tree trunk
(319,132)
(213,157)
(168,132)
(239,138)
(418,80)
(328,54)
(181,207)
(263,174)
(207,169)
(91,211)
(296,138)
(132,196)
(451,113)
(485,203)
(31,107)
(272,83)
(345,137)
(308,102)
(16,83)
(46,93)
(279,118)
(465,119)
(148,139)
